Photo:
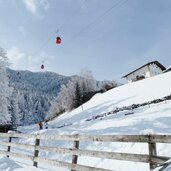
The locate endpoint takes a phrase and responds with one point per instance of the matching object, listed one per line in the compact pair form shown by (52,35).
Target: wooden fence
(152,158)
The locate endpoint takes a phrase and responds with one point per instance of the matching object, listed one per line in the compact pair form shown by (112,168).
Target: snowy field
(155,119)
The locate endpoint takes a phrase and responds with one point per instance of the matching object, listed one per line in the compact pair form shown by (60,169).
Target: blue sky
(108,37)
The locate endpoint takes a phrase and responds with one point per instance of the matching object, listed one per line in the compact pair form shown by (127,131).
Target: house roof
(153,62)
(167,69)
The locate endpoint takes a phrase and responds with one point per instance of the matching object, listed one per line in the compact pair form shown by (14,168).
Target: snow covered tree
(87,80)
(14,109)
(33,107)
(56,109)
(107,85)
(5,90)
(66,95)
(78,96)
(78,90)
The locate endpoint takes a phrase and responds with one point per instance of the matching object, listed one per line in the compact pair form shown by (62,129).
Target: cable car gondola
(42,66)
(58,40)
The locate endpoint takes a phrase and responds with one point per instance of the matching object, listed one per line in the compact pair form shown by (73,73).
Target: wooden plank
(105,138)
(98,154)
(18,145)
(17,135)
(36,151)
(160,138)
(75,157)
(159,159)
(68,165)
(9,147)
(152,152)
(109,138)
(18,155)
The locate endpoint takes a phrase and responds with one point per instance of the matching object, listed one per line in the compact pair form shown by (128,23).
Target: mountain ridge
(47,82)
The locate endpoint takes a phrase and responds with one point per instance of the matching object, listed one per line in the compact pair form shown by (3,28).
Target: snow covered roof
(168,69)
(153,62)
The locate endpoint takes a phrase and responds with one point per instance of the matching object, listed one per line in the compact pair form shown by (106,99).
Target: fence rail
(152,158)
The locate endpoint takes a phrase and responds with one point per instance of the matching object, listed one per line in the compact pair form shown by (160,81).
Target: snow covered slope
(133,93)
(154,118)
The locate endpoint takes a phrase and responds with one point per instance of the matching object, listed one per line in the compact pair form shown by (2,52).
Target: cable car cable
(116,5)
(72,15)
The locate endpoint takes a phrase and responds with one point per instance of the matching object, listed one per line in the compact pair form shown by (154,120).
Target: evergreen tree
(78,96)
(74,93)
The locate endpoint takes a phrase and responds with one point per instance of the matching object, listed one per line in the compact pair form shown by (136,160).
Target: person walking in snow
(40,125)
(46,124)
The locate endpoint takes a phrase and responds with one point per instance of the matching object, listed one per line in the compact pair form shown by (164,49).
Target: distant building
(148,70)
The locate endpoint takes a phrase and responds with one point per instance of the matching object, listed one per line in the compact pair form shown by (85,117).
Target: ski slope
(155,119)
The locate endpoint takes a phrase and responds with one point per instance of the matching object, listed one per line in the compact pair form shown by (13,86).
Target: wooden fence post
(9,147)
(36,152)
(75,157)
(152,152)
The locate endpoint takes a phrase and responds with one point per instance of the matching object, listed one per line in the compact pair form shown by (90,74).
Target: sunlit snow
(149,119)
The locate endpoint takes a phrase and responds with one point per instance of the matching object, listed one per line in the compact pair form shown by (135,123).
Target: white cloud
(34,6)
(14,57)
(21,61)
(31,5)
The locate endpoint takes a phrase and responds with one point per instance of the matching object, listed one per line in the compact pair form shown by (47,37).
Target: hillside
(133,93)
(33,94)
(47,83)
(152,118)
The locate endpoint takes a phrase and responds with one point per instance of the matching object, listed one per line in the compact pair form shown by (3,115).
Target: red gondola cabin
(58,40)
